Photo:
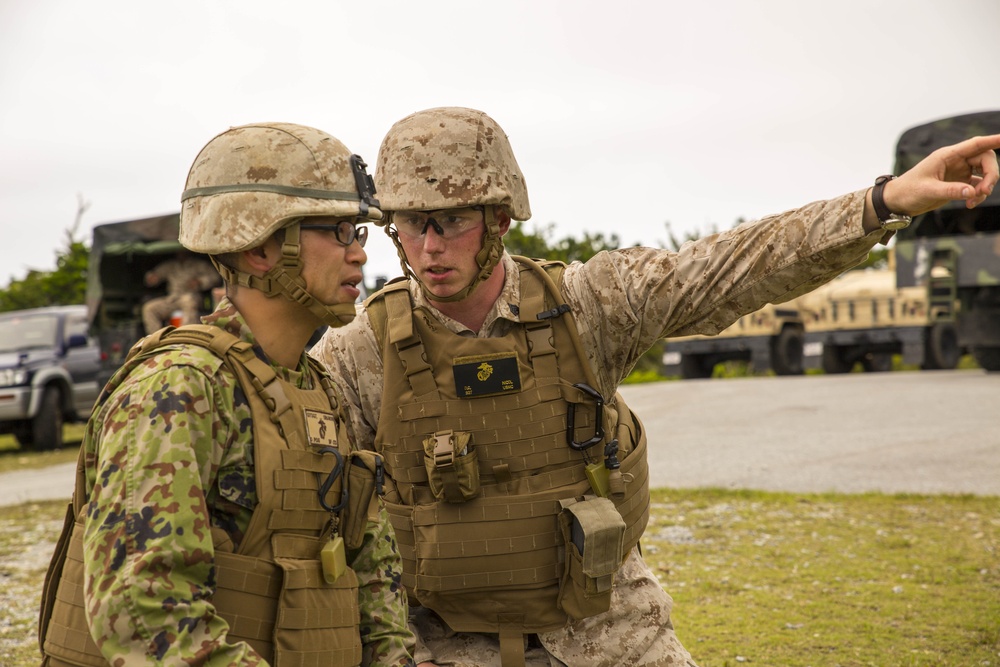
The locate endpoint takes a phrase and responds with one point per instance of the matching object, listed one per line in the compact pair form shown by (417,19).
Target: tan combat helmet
(252,180)
(451,157)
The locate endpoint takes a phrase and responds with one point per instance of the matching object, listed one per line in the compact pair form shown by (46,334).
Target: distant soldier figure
(221,515)
(187,277)
(516,476)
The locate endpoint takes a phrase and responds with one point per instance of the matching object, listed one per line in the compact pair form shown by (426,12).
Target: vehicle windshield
(24,333)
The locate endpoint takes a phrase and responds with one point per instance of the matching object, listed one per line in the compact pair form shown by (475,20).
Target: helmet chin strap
(487,258)
(285,279)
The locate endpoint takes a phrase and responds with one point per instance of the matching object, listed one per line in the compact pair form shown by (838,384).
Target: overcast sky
(623,115)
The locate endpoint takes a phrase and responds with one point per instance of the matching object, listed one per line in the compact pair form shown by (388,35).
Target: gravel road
(903,432)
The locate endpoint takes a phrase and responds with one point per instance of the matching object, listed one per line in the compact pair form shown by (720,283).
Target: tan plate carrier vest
(493,562)
(271,591)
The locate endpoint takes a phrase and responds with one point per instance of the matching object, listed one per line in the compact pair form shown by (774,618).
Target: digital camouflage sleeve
(623,301)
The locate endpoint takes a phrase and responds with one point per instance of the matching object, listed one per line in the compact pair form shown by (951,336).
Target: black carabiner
(324,488)
(598,419)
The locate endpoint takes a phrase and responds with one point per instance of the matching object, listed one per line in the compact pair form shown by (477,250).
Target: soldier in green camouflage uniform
(449,181)
(170,454)
(186,276)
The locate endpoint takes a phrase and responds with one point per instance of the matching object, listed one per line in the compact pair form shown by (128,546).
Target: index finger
(977,145)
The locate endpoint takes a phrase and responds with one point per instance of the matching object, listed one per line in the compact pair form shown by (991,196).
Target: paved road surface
(914,432)
(930,432)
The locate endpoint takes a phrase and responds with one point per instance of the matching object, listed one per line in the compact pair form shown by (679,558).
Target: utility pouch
(364,476)
(452,466)
(316,621)
(594,533)
(54,574)
(63,632)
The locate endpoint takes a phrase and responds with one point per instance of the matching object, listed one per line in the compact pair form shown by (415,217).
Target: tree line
(67,283)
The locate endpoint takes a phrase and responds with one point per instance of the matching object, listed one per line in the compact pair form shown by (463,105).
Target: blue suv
(48,373)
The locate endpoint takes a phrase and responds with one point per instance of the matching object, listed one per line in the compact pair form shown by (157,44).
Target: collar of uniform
(226,317)
(506,307)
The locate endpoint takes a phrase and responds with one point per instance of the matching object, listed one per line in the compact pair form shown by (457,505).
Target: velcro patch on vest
(321,428)
(486,375)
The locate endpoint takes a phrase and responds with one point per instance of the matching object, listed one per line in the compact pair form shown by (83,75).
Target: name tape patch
(321,428)
(486,375)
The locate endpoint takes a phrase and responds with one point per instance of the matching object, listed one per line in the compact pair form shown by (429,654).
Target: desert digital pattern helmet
(251,180)
(451,157)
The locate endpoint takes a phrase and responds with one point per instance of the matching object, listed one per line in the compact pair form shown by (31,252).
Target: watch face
(894,222)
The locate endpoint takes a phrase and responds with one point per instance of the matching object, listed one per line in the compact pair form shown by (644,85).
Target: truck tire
(47,426)
(786,352)
(834,360)
(987,357)
(941,350)
(22,433)
(696,367)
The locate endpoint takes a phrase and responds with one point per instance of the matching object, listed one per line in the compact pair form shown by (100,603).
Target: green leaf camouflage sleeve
(167,461)
(385,635)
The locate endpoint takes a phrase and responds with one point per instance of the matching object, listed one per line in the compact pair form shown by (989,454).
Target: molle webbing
(493,563)
(275,584)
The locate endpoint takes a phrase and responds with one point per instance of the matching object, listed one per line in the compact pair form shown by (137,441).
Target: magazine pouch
(593,532)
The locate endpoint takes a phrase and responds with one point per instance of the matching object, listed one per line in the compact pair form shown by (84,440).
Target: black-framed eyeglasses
(345,231)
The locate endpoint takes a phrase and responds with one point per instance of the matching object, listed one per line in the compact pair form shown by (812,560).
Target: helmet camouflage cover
(250,181)
(449,157)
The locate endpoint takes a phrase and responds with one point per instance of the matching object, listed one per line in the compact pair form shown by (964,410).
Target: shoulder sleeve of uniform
(353,357)
(173,421)
(181,354)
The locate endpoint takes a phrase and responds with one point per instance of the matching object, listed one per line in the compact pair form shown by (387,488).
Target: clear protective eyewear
(447,222)
(345,231)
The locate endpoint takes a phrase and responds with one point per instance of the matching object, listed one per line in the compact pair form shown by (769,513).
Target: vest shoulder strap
(389,312)
(551,272)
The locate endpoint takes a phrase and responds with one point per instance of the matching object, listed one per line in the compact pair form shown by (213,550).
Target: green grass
(775,579)
(14,457)
(838,580)
(27,538)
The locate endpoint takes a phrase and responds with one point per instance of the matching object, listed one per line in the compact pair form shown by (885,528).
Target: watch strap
(878,202)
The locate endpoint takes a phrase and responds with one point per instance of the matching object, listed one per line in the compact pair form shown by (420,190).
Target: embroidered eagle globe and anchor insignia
(486,375)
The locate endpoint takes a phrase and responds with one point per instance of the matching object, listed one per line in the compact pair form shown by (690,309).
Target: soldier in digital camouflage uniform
(450,184)
(192,496)
(186,277)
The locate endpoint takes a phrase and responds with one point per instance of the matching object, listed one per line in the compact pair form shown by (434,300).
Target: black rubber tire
(987,357)
(877,362)
(834,362)
(22,433)
(941,349)
(695,367)
(786,352)
(47,426)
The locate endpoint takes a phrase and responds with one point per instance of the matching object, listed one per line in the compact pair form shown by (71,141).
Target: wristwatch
(890,221)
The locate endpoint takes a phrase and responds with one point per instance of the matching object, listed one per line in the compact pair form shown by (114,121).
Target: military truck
(120,255)
(862,317)
(954,252)
(767,339)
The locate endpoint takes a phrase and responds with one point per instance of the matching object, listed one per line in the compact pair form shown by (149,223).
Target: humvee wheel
(941,350)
